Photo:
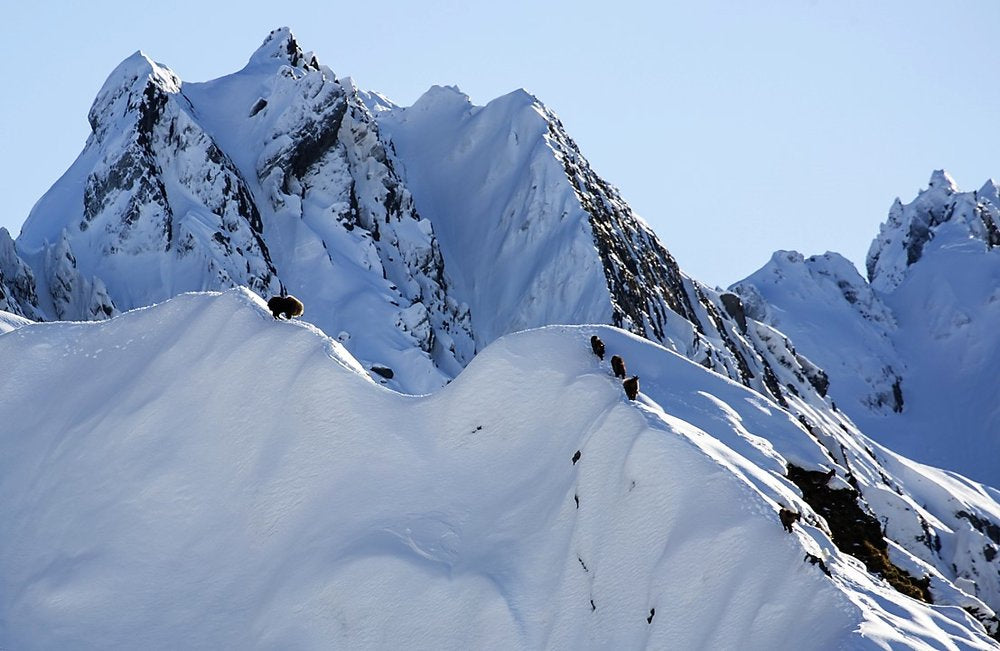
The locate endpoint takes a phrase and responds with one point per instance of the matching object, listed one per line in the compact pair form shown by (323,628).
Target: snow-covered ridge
(272,499)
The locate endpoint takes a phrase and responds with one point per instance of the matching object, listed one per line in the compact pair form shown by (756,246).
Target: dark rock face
(642,276)
(649,291)
(855,531)
(734,308)
(17,281)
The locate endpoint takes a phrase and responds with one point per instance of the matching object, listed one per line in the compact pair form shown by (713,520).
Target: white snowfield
(196,474)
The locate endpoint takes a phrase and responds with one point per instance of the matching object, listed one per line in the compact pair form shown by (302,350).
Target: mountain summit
(416,235)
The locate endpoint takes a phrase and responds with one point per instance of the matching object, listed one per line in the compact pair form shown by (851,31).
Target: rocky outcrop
(648,290)
(74,296)
(940,211)
(17,281)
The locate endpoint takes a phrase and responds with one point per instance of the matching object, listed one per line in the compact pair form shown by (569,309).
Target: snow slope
(9,321)
(251,486)
(507,219)
(912,356)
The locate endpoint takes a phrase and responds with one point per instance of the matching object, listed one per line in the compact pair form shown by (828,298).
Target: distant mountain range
(913,352)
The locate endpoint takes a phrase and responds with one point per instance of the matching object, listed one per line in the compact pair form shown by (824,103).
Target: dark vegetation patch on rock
(855,531)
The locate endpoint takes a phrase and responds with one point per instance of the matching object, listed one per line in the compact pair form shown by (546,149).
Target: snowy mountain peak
(420,234)
(990,192)
(940,214)
(137,83)
(438,98)
(942,180)
(280,47)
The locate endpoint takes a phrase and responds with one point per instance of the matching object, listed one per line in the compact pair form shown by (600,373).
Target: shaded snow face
(277,496)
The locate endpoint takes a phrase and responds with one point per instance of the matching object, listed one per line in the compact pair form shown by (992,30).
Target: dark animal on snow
(597,345)
(816,560)
(788,518)
(631,387)
(652,614)
(385,372)
(287,305)
(576,457)
(618,366)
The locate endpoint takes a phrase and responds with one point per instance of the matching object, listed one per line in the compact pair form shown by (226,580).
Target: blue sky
(734,128)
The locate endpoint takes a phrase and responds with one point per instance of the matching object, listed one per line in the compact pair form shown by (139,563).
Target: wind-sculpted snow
(250,486)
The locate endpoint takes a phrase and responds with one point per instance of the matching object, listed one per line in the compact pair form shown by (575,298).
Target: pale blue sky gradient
(734,128)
